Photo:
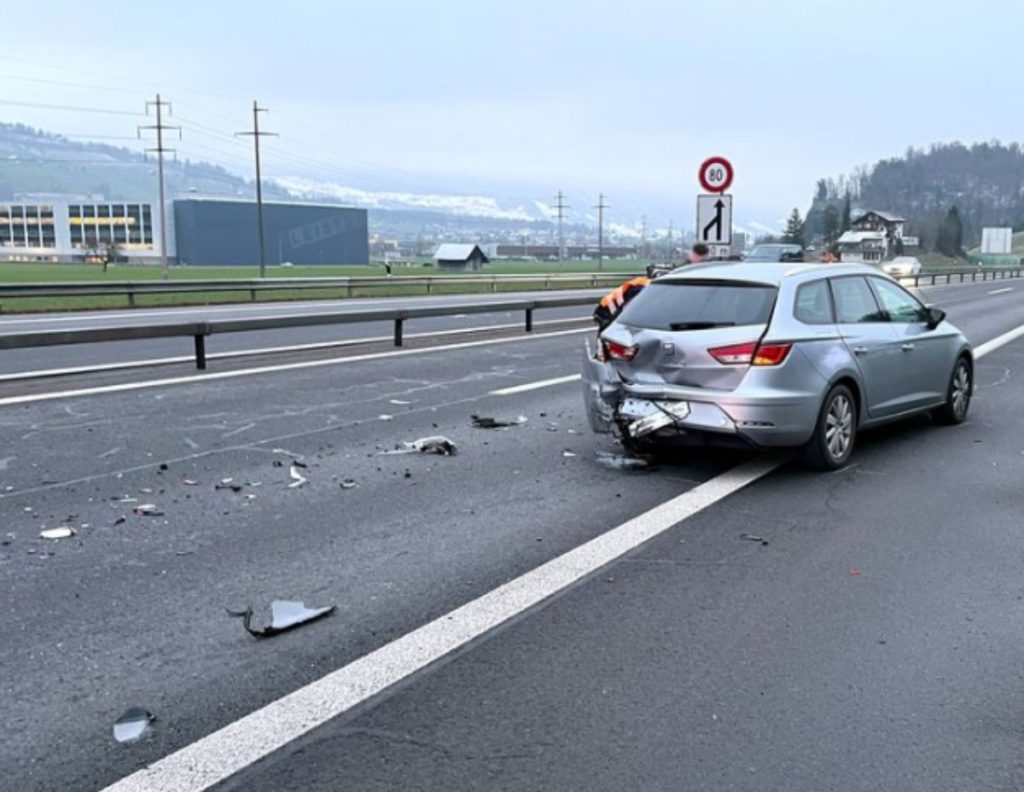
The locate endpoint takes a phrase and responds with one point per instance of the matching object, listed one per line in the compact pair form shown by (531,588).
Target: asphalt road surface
(854,631)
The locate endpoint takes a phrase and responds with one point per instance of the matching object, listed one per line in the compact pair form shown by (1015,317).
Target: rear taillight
(771,354)
(735,354)
(750,354)
(619,351)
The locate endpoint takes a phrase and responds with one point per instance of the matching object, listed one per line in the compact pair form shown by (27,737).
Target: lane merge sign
(715,174)
(714,219)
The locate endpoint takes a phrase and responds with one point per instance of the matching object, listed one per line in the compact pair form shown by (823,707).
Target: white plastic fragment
(61,532)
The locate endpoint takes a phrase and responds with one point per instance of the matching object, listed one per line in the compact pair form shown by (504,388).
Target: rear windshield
(695,305)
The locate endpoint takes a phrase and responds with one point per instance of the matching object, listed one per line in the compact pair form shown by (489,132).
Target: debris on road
(436,444)
(284,615)
(348,484)
(385,417)
(855,572)
(135,724)
(568,454)
(297,478)
(62,532)
(621,462)
(120,520)
(228,483)
(400,402)
(148,510)
(190,483)
(754,538)
(487,422)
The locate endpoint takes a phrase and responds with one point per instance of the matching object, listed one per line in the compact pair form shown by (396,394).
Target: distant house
(863,246)
(460,257)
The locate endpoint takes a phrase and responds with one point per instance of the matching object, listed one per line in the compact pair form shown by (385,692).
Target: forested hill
(984,181)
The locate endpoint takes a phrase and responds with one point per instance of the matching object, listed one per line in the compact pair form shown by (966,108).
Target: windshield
(690,305)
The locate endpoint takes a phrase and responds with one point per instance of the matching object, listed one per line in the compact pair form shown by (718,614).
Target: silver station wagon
(774,355)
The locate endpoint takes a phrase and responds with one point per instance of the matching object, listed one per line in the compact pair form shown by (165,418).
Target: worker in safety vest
(611,304)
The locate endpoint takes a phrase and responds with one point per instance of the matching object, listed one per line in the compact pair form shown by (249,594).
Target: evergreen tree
(949,240)
(845,222)
(794,233)
(830,224)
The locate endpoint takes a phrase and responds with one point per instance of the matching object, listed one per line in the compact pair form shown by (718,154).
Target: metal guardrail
(1000,273)
(345,285)
(200,330)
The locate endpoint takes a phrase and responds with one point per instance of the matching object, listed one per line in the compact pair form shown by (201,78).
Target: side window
(855,302)
(901,306)
(814,304)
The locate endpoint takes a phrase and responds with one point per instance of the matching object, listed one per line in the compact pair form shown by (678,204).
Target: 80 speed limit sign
(715,174)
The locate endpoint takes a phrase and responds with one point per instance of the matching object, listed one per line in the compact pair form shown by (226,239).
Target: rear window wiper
(699,325)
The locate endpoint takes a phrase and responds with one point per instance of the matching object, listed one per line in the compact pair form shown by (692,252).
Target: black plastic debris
(231,486)
(754,538)
(283,615)
(487,422)
(135,724)
(163,466)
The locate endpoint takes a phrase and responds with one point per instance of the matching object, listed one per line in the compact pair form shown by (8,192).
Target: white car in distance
(902,267)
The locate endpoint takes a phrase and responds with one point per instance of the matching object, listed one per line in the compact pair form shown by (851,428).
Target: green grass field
(65,273)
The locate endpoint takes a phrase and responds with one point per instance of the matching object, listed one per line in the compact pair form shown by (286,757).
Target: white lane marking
(999,341)
(1002,291)
(220,755)
(129,364)
(529,386)
(308,364)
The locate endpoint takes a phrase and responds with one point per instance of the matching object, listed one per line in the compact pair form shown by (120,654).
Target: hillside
(984,181)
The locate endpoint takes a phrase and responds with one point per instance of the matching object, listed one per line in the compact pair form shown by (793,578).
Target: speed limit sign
(715,174)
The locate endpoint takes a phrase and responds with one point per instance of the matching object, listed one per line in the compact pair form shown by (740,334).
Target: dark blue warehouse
(213,232)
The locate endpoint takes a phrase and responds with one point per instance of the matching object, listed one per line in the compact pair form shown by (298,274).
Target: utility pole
(160,126)
(256,135)
(601,206)
(561,206)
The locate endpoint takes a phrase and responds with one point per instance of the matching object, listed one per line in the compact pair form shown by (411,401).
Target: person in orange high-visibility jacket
(611,304)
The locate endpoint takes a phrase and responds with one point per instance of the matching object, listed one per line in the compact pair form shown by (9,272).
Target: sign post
(714,210)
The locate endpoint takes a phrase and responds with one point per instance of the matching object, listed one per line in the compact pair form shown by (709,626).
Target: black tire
(958,394)
(834,435)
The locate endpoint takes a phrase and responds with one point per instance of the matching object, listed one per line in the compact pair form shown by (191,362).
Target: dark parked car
(775,252)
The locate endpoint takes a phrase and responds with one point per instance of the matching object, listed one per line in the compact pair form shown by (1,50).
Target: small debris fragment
(133,725)
(163,466)
(284,615)
(120,520)
(568,454)
(63,532)
(400,402)
(436,444)
(297,478)
(348,484)
(855,572)
(191,483)
(754,538)
(227,484)
(148,510)
(385,417)
(408,474)
(487,422)
(621,462)
(299,463)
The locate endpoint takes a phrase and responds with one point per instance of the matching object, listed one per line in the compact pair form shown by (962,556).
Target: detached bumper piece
(645,417)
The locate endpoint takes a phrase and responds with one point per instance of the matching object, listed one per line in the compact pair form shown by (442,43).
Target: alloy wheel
(839,426)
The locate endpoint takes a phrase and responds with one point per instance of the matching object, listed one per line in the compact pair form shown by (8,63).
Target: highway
(511,622)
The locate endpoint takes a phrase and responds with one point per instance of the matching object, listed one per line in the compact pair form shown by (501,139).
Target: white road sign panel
(714,219)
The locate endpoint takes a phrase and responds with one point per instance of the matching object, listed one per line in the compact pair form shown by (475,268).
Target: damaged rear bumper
(760,417)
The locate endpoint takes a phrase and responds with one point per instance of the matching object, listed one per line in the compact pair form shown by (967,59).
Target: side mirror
(934,316)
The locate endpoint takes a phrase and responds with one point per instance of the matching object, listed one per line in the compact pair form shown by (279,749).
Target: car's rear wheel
(958,393)
(831,444)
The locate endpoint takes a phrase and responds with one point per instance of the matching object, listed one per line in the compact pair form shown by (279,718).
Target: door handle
(907,347)
(860,350)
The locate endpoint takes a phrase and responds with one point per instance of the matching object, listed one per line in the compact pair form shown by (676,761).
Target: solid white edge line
(236,746)
(1002,291)
(240,353)
(308,364)
(529,386)
(999,341)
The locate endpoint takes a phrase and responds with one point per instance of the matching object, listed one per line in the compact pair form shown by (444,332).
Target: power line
(46,106)
(160,127)
(256,135)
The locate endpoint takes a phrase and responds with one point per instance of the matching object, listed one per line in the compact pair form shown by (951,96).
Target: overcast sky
(536,95)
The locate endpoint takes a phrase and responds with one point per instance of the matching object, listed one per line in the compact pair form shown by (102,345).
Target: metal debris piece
(297,478)
(133,725)
(400,402)
(284,615)
(436,444)
(754,538)
(487,422)
(62,532)
(148,510)
(348,484)
(620,462)
(385,417)
(568,454)
(191,483)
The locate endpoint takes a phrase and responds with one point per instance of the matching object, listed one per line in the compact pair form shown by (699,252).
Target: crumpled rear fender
(602,391)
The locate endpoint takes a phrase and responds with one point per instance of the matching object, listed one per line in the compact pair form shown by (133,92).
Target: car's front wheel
(831,444)
(958,394)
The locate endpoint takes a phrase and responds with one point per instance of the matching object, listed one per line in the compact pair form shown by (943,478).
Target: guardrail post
(933,280)
(131,299)
(428,286)
(494,285)
(348,290)
(529,320)
(398,331)
(252,295)
(200,351)
(961,277)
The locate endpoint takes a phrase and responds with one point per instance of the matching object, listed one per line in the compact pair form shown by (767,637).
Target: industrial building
(201,231)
